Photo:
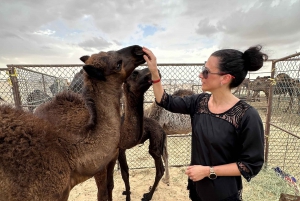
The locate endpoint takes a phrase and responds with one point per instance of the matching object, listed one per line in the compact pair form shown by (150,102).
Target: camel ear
(93,72)
(84,58)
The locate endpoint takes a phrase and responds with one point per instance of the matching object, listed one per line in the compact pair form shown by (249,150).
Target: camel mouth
(139,53)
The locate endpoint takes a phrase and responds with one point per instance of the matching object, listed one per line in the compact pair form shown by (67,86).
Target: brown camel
(257,85)
(135,130)
(287,85)
(42,161)
(243,86)
(284,84)
(172,123)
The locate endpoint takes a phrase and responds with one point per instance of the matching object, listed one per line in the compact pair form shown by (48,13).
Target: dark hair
(238,64)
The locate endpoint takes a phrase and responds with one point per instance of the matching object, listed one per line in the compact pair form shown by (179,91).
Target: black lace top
(235,136)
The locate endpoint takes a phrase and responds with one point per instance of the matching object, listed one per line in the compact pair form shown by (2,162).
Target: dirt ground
(266,186)
(140,181)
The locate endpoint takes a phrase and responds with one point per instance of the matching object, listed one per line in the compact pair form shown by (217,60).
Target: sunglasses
(205,73)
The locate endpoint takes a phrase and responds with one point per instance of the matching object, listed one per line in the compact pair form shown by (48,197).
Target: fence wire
(27,86)
(283,121)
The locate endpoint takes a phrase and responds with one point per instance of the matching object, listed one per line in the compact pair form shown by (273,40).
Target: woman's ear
(227,78)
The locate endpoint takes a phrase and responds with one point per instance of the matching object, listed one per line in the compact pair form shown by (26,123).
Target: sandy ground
(140,181)
(266,186)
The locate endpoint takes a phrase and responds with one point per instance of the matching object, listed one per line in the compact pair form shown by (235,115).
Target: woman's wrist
(155,75)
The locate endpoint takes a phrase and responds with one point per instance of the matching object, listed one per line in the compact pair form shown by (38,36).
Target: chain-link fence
(27,86)
(283,119)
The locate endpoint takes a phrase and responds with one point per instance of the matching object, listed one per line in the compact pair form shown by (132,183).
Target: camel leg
(105,180)
(298,96)
(290,106)
(165,157)
(254,96)
(159,174)
(124,172)
(267,95)
(110,177)
(248,96)
(101,182)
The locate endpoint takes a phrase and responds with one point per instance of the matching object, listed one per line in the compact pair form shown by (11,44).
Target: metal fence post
(268,118)
(15,87)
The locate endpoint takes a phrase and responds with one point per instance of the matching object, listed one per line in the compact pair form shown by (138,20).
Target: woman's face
(211,76)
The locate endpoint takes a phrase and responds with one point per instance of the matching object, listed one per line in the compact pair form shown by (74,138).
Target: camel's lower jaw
(140,59)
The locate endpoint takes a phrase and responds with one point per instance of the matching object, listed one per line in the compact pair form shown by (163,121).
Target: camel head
(284,84)
(260,83)
(138,82)
(116,64)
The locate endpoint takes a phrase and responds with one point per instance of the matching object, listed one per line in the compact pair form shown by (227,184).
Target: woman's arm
(152,65)
(198,172)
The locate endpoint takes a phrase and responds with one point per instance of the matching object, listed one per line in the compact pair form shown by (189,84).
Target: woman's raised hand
(151,60)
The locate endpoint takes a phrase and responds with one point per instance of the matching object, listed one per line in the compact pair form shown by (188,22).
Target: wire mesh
(284,136)
(283,147)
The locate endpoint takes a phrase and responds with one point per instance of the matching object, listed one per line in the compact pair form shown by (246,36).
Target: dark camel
(135,130)
(40,160)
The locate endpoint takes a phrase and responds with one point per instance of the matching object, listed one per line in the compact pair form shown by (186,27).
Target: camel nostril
(139,52)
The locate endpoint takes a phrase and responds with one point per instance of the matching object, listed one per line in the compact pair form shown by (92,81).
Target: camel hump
(183,92)
(68,96)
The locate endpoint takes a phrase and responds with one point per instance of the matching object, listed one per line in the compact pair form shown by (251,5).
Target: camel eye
(119,65)
(134,74)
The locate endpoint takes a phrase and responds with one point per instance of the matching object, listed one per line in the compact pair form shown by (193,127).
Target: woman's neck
(223,98)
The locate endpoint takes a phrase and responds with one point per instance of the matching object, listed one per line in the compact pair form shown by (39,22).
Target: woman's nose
(200,75)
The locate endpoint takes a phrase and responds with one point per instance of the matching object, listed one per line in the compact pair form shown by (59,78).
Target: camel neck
(132,127)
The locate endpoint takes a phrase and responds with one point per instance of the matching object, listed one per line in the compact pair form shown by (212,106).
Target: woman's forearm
(230,169)
(157,87)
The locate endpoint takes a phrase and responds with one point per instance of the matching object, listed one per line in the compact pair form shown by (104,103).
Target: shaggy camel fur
(136,129)
(172,123)
(40,160)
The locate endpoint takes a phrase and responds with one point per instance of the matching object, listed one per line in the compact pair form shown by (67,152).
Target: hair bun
(253,58)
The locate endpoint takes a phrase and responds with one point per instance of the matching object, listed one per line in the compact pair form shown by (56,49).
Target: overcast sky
(177,31)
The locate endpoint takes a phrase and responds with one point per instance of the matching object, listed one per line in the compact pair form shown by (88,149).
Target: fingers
(149,53)
(146,49)
(146,58)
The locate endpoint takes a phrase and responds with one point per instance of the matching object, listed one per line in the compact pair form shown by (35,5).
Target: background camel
(77,82)
(36,97)
(136,129)
(283,85)
(287,85)
(40,160)
(257,85)
(172,123)
(58,85)
(242,87)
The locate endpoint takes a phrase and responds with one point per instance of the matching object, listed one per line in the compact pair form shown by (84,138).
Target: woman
(227,133)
